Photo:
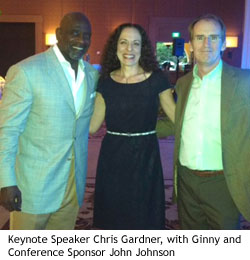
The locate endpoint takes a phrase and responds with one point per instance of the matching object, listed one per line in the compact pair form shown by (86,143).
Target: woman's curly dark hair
(110,61)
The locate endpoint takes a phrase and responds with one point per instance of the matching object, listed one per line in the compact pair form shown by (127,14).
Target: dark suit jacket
(235,131)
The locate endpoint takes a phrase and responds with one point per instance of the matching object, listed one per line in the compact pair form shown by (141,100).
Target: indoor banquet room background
(26,24)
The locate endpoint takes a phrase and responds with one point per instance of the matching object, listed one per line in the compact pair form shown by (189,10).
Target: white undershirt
(76,83)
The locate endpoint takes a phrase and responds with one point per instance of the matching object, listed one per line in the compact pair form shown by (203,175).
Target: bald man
(44,125)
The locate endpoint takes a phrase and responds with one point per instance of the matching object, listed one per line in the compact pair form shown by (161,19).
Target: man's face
(74,39)
(207,43)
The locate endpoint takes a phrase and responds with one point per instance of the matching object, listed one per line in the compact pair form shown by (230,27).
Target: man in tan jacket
(212,134)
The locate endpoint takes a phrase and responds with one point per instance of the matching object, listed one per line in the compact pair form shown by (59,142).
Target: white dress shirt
(201,132)
(75,82)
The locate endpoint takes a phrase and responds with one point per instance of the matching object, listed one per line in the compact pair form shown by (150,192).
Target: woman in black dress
(129,191)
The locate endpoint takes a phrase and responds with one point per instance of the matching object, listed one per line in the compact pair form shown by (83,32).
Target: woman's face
(129,47)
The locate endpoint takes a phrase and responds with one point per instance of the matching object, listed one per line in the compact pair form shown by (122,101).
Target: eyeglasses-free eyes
(212,37)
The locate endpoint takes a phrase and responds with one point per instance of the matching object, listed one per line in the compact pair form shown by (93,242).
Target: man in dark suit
(212,134)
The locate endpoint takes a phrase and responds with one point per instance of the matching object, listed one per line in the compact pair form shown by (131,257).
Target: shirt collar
(213,73)
(62,60)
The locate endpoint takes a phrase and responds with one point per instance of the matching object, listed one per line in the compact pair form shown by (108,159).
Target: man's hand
(11,198)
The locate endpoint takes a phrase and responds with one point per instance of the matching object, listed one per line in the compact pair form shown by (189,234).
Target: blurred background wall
(158,17)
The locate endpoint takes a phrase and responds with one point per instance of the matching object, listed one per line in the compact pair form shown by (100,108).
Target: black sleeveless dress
(129,191)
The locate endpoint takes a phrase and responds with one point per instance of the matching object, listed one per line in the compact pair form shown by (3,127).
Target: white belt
(131,134)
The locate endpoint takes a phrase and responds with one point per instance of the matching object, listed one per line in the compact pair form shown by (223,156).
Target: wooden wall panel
(52,12)
(105,15)
(20,7)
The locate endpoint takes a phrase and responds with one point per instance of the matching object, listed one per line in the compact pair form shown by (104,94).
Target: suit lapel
(57,75)
(84,93)
(87,89)
(228,87)
(183,93)
(186,87)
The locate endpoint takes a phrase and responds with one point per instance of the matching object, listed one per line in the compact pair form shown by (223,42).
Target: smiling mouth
(128,56)
(77,48)
(206,50)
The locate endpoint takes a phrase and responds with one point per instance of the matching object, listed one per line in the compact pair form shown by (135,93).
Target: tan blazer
(40,132)
(235,131)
